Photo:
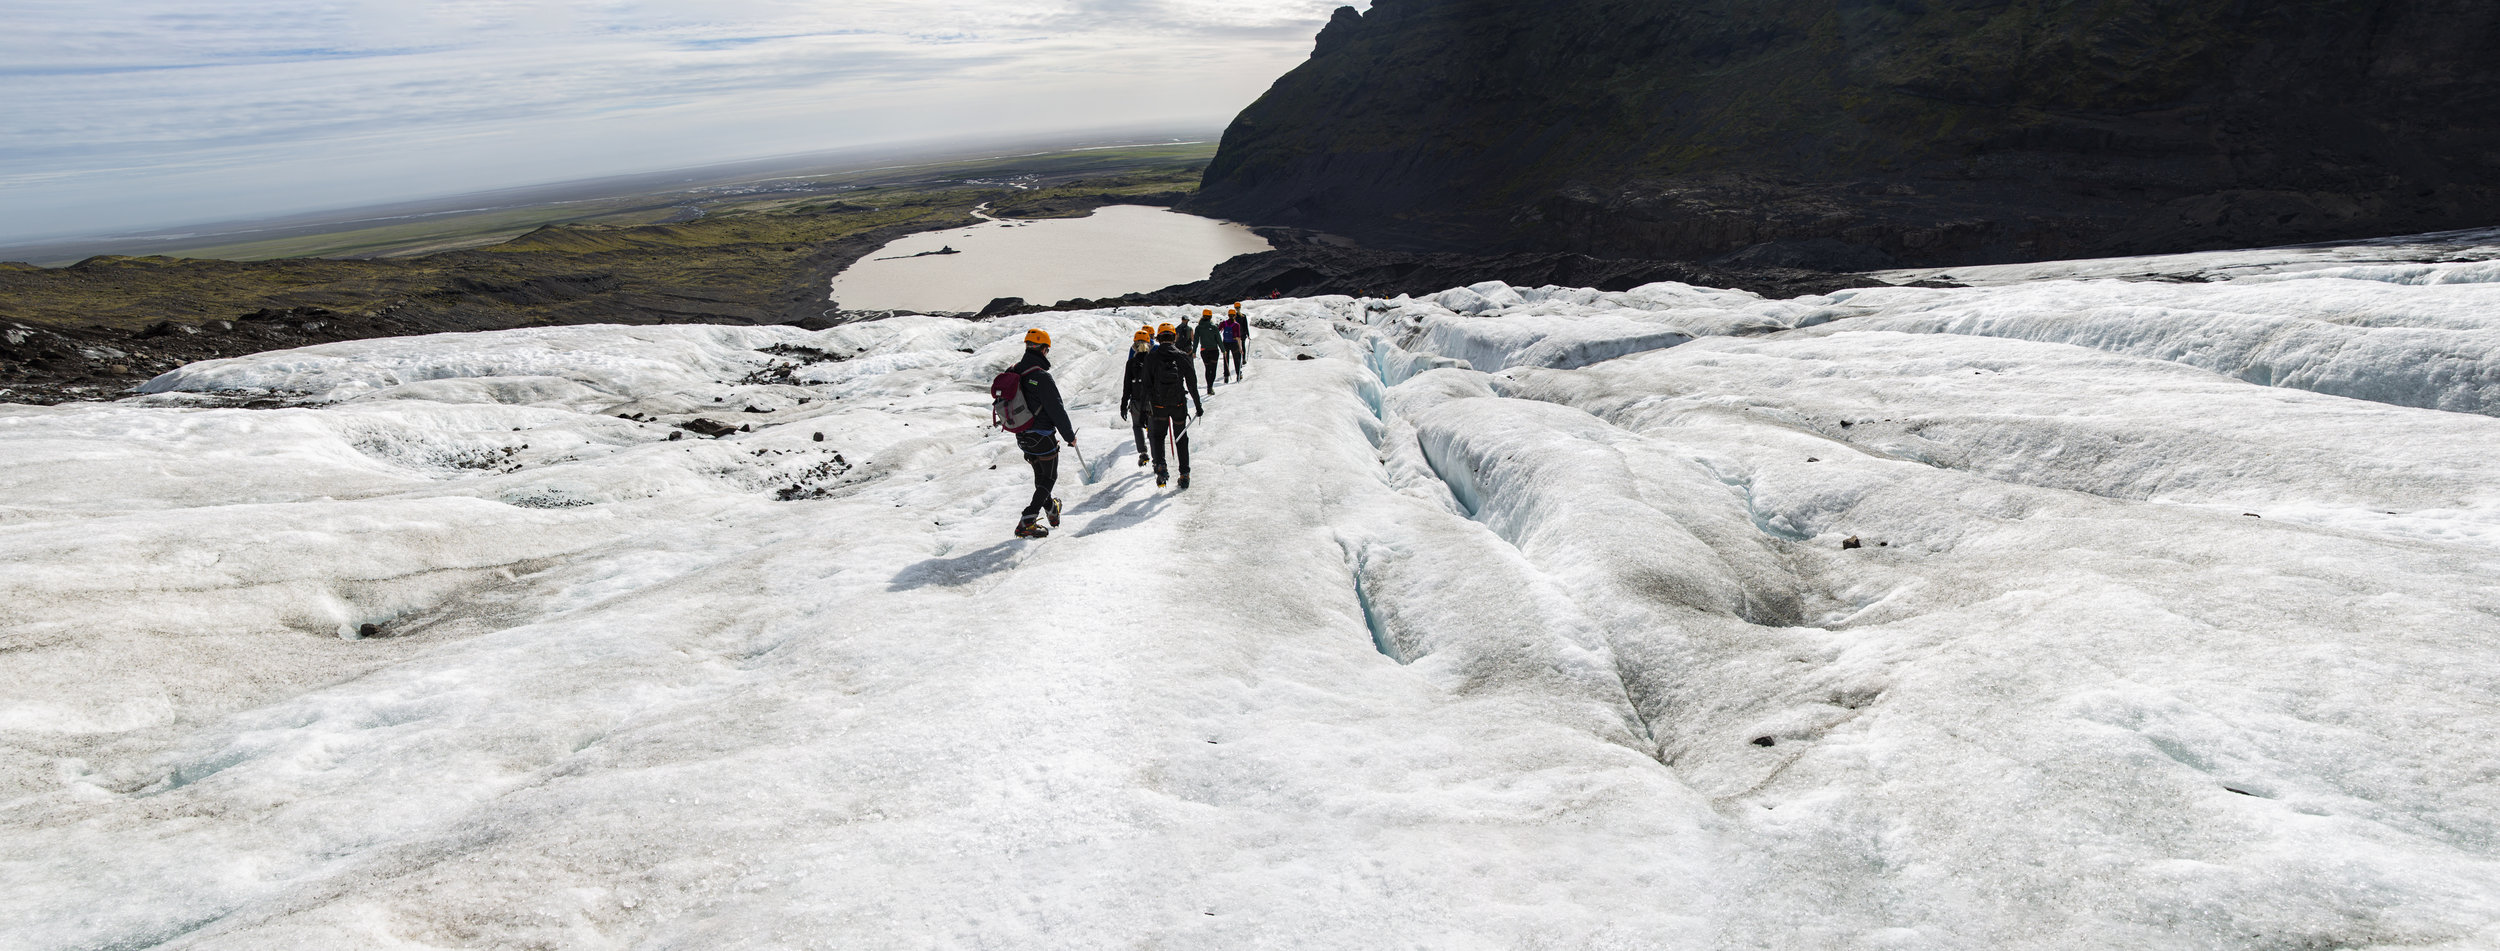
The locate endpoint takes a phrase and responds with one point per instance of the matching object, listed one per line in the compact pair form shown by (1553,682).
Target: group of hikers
(1159,387)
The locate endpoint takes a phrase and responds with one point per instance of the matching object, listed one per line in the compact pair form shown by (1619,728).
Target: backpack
(1008,407)
(1228,331)
(1167,376)
(1133,383)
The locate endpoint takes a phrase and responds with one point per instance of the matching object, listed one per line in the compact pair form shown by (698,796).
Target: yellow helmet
(1037,337)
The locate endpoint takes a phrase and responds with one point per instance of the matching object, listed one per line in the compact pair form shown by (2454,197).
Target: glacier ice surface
(1510,618)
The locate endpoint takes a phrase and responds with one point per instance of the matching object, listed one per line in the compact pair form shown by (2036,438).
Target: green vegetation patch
(761,258)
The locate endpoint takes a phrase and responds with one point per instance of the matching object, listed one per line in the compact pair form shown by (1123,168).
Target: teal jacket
(1210,337)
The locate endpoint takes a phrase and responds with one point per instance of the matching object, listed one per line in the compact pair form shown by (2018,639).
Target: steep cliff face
(1855,133)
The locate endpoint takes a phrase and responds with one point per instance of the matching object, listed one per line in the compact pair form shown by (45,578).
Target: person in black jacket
(1134,406)
(1042,394)
(1188,344)
(1172,386)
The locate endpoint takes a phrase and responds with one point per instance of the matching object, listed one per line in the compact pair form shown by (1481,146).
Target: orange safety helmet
(1037,337)
(1145,333)
(1163,329)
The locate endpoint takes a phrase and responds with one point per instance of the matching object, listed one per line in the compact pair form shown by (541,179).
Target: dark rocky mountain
(1849,134)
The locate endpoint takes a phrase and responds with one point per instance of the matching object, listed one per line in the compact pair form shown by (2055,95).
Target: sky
(134,114)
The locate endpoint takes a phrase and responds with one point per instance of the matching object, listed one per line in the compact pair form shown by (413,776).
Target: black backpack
(1167,378)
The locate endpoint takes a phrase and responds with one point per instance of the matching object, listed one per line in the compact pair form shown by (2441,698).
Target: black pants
(1176,422)
(1232,360)
(1210,355)
(1137,413)
(1042,450)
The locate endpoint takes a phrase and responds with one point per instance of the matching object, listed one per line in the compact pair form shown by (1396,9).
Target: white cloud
(148,112)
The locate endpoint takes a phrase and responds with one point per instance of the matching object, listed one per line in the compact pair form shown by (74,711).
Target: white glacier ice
(1507,618)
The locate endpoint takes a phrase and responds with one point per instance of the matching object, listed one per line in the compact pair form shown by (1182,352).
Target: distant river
(1119,249)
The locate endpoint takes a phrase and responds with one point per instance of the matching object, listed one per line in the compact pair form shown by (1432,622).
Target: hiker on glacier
(1210,345)
(1172,386)
(1187,344)
(1025,401)
(1134,406)
(1236,330)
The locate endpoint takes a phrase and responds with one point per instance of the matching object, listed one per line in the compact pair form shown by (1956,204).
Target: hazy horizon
(619,185)
(160,114)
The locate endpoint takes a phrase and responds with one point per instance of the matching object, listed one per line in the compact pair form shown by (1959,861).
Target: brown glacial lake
(1119,249)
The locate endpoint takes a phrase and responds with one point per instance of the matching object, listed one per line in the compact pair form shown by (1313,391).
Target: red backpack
(1008,408)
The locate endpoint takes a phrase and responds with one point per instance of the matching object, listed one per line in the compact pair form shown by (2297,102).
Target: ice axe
(1081,465)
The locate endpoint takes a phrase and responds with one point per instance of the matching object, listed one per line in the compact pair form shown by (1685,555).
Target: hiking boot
(1029,528)
(1184,480)
(1053,512)
(1141,460)
(1161,477)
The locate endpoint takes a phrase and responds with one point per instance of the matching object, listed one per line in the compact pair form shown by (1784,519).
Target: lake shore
(97,329)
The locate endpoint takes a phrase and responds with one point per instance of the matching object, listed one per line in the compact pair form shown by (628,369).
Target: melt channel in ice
(1506,618)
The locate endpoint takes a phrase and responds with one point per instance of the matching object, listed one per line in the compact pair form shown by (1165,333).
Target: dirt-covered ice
(2065,612)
